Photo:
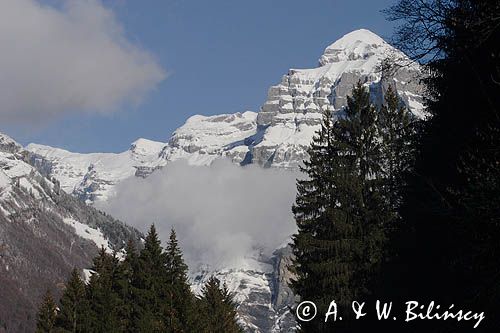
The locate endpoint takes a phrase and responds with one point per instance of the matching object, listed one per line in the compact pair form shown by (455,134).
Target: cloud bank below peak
(222,213)
(75,58)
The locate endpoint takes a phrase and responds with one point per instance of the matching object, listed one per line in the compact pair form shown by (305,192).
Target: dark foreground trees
(73,306)
(217,302)
(147,291)
(46,314)
(346,204)
(449,245)
(430,233)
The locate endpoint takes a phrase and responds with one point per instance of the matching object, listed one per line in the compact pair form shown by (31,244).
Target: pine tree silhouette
(46,314)
(218,308)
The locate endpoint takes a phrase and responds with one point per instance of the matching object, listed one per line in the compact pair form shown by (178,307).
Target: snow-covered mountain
(93,176)
(44,233)
(279,133)
(276,136)
(293,109)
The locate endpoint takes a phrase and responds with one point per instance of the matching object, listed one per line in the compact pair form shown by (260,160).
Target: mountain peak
(355,45)
(7,144)
(360,35)
(146,146)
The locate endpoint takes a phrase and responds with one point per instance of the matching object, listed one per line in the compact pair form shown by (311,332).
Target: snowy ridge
(202,139)
(19,179)
(93,176)
(292,112)
(276,136)
(7,144)
(44,234)
(16,175)
(356,45)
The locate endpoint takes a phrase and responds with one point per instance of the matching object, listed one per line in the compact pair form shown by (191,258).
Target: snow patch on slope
(86,232)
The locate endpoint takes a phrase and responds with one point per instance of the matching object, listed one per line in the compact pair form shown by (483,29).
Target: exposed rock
(203,139)
(293,110)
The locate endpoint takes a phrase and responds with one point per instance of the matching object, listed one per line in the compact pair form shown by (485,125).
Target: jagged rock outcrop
(293,109)
(203,139)
(278,135)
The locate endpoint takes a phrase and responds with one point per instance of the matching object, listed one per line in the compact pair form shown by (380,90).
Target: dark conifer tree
(128,270)
(179,297)
(395,126)
(73,306)
(146,292)
(46,314)
(357,135)
(104,300)
(218,308)
(313,244)
(151,286)
(450,210)
(340,213)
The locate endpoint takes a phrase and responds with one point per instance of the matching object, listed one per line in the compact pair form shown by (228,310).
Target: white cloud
(221,213)
(70,59)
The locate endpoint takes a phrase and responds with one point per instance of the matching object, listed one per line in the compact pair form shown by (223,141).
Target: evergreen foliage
(448,239)
(347,203)
(396,129)
(218,308)
(150,286)
(46,314)
(73,306)
(339,239)
(413,214)
(179,295)
(105,303)
(147,291)
(127,291)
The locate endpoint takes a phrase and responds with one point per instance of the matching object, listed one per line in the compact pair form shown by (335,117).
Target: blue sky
(219,56)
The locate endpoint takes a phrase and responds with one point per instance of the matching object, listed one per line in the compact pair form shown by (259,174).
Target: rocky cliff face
(293,109)
(202,139)
(44,233)
(276,136)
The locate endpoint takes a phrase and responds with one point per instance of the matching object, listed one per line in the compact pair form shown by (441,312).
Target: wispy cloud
(221,212)
(75,58)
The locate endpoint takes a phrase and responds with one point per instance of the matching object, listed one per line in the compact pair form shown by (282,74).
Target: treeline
(400,210)
(147,291)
